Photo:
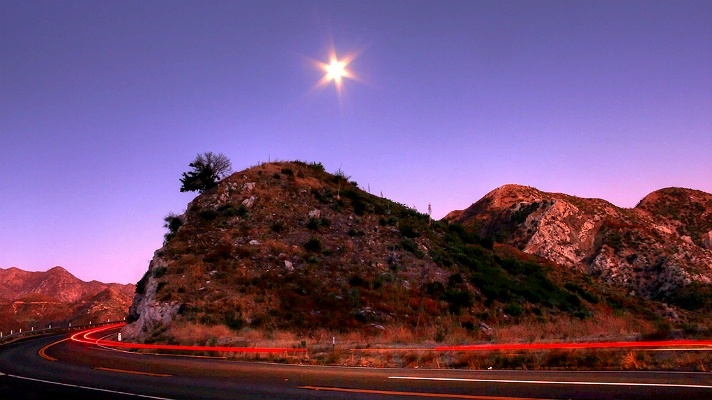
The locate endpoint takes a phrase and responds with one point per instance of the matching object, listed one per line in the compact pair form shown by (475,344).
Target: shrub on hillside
(409,231)
(172,222)
(313,245)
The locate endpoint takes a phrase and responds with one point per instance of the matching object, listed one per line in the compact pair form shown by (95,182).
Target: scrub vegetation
(287,254)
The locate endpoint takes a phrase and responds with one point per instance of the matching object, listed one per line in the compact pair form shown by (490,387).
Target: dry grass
(447,332)
(198,335)
(598,327)
(629,361)
(279,247)
(596,359)
(395,347)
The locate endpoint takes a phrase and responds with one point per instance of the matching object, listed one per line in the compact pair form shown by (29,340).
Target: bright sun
(335,70)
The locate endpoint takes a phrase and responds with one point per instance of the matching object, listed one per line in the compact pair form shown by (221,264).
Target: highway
(50,367)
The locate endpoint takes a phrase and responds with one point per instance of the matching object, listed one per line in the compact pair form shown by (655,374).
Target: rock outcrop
(653,250)
(283,244)
(146,311)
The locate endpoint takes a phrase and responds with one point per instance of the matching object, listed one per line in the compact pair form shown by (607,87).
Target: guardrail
(12,335)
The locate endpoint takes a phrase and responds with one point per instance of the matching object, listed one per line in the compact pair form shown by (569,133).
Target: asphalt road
(84,371)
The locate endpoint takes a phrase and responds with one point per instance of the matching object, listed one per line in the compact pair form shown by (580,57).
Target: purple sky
(104,103)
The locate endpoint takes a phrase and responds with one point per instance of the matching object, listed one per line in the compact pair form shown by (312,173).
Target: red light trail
(85,337)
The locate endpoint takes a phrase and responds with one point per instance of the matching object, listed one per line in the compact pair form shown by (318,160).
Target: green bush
(277,227)
(357,281)
(356,232)
(693,297)
(409,231)
(435,289)
(462,234)
(411,246)
(141,284)
(313,224)
(521,215)
(359,206)
(173,222)
(233,319)
(513,309)
(313,245)
(208,215)
(316,166)
(458,299)
(229,210)
(586,295)
(159,271)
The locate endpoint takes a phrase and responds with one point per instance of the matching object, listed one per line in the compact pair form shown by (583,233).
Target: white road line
(709,348)
(87,387)
(676,385)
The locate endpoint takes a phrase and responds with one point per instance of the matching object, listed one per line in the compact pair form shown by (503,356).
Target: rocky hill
(37,299)
(287,246)
(661,249)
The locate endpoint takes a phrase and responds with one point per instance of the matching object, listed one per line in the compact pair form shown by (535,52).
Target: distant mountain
(660,249)
(36,299)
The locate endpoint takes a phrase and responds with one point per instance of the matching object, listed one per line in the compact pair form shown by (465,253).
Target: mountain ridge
(39,298)
(655,248)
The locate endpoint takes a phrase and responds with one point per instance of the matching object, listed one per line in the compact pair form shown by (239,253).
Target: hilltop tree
(208,169)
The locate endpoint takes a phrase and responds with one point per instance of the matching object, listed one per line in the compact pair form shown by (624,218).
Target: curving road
(46,367)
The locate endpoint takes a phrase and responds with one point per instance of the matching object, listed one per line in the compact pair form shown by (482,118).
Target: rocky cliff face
(36,299)
(147,313)
(654,249)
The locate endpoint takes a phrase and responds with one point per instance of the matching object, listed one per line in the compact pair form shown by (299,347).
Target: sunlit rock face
(146,313)
(652,249)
